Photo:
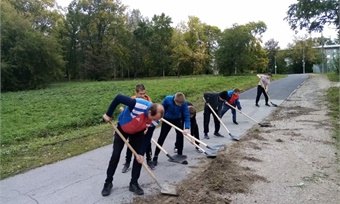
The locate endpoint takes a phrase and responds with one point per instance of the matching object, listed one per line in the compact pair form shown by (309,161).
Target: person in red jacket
(231,97)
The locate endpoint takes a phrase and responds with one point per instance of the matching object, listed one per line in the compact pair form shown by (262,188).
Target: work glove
(186,131)
(106,118)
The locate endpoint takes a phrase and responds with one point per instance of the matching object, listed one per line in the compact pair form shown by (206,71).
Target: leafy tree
(240,49)
(29,58)
(272,47)
(313,15)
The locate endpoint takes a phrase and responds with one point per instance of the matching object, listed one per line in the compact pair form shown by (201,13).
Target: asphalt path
(80,179)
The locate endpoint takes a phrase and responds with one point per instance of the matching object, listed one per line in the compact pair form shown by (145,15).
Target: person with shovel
(137,116)
(262,87)
(177,112)
(232,98)
(141,93)
(215,103)
(194,131)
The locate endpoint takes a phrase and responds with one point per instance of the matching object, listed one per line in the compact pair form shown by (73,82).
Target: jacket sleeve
(238,104)
(120,99)
(186,115)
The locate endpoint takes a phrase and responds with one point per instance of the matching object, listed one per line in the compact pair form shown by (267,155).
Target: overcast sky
(225,13)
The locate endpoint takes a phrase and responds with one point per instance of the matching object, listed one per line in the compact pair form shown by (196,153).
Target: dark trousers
(261,90)
(164,132)
(206,119)
(194,131)
(136,141)
(146,148)
(225,108)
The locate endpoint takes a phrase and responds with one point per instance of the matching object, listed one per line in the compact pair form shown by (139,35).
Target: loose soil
(294,161)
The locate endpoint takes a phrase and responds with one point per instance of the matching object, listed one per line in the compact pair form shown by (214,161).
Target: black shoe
(154,161)
(106,189)
(198,150)
(218,134)
(134,187)
(236,123)
(126,168)
(151,165)
(267,105)
(206,136)
(257,105)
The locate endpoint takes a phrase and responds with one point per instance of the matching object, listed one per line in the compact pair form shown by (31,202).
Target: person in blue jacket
(231,97)
(133,122)
(176,112)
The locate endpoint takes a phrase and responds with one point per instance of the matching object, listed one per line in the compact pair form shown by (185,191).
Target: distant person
(231,97)
(138,115)
(263,87)
(176,112)
(141,93)
(216,104)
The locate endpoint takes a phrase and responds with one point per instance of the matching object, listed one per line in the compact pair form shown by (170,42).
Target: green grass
(333,76)
(43,126)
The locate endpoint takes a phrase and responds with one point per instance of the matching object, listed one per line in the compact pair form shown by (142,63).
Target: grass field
(333,96)
(43,126)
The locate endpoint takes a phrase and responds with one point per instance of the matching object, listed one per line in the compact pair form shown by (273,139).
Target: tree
(240,49)
(29,58)
(271,46)
(313,15)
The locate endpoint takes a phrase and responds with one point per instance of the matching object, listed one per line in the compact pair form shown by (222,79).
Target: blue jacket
(174,112)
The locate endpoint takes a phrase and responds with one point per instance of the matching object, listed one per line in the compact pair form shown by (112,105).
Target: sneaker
(257,105)
(126,168)
(134,187)
(175,150)
(151,165)
(198,150)
(154,161)
(267,104)
(107,189)
(206,136)
(236,123)
(217,134)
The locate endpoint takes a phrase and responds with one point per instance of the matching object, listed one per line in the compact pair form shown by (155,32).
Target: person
(137,116)
(140,92)
(263,87)
(194,130)
(176,111)
(231,97)
(216,104)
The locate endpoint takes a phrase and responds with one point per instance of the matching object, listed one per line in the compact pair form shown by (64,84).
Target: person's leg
(233,111)
(165,128)
(194,131)
(136,141)
(265,96)
(118,145)
(128,157)
(179,136)
(147,144)
(258,95)
(216,122)
(206,119)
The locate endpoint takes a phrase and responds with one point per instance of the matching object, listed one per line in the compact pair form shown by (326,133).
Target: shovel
(268,96)
(213,148)
(212,110)
(265,124)
(181,160)
(166,189)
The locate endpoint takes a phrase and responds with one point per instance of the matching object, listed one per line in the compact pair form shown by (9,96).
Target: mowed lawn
(43,126)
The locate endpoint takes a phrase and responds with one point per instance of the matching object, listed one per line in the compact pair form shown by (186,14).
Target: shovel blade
(216,147)
(182,159)
(234,137)
(168,189)
(265,124)
(211,153)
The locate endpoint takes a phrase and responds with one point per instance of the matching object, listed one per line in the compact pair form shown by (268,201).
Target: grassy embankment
(333,96)
(43,126)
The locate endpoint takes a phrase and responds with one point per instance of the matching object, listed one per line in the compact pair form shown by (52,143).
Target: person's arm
(186,115)
(238,104)
(120,99)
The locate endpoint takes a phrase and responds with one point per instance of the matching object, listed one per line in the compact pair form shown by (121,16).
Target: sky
(225,13)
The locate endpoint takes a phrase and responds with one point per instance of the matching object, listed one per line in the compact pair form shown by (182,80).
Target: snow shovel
(166,189)
(181,160)
(265,124)
(212,148)
(212,110)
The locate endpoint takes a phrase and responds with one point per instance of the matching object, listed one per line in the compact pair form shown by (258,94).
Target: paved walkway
(80,179)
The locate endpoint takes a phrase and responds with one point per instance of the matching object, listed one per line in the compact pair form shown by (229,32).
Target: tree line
(101,40)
